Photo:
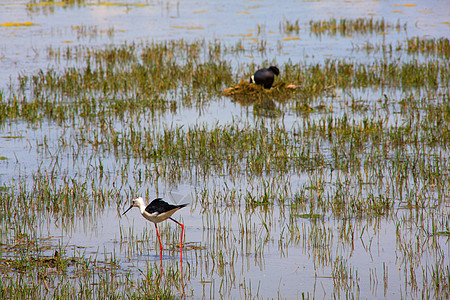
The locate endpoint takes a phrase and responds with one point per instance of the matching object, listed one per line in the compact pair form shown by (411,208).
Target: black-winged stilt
(265,77)
(156,212)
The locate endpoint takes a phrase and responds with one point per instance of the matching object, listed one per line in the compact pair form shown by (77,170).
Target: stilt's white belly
(157,217)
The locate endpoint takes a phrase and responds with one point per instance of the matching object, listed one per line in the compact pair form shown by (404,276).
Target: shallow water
(240,251)
(25,48)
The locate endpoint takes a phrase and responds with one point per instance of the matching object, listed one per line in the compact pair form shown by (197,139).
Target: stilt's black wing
(160,206)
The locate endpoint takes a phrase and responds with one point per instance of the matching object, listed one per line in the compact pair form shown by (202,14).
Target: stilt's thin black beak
(127,210)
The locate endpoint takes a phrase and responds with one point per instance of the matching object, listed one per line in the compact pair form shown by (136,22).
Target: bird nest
(246,92)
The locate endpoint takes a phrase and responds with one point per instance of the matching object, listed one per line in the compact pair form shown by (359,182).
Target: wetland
(332,184)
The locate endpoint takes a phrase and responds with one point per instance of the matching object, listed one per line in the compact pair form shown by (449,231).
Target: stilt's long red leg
(159,238)
(182,233)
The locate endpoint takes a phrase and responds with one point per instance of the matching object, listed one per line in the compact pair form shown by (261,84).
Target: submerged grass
(343,27)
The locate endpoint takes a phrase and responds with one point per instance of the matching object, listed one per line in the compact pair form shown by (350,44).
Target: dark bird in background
(156,212)
(265,77)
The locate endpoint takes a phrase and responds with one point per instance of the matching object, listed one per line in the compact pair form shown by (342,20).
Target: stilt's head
(138,202)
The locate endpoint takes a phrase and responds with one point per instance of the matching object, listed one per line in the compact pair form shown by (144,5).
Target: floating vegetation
(443,233)
(309,216)
(405,5)
(17,24)
(119,4)
(246,92)
(37,3)
(302,107)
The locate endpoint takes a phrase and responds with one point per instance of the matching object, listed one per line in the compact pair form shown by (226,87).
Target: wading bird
(265,77)
(156,212)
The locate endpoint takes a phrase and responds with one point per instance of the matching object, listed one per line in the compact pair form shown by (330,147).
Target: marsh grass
(345,27)
(343,168)
(435,47)
(431,46)
(26,273)
(116,81)
(249,93)
(290,27)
